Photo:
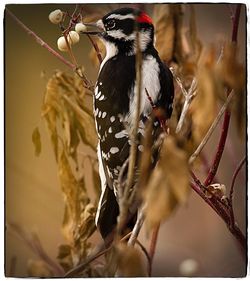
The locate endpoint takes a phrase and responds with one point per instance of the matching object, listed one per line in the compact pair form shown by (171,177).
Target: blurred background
(33,198)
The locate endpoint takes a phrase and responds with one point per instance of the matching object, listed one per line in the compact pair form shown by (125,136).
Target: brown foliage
(168,185)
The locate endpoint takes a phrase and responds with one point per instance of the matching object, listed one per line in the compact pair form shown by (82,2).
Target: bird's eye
(110,24)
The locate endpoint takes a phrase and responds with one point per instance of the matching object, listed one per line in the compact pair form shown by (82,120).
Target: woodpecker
(114,98)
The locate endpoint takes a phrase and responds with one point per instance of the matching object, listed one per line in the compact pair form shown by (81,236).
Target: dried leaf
(233,75)
(231,71)
(50,116)
(39,268)
(64,108)
(195,43)
(69,188)
(129,262)
(36,139)
(79,215)
(175,163)
(168,185)
(163,19)
(87,216)
(204,105)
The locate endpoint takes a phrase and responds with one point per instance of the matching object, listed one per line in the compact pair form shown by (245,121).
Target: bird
(114,98)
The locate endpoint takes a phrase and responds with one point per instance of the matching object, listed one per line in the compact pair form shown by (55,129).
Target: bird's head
(119,28)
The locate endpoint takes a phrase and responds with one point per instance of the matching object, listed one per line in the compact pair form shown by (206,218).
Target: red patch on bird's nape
(144,18)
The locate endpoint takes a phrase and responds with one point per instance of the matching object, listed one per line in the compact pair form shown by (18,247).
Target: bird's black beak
(93,29)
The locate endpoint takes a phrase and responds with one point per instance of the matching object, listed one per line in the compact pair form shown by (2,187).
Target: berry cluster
(69,38)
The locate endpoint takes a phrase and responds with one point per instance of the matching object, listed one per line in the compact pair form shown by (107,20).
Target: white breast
(111,51)
(150,81)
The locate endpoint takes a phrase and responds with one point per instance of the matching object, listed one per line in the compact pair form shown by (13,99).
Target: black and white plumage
(114,103)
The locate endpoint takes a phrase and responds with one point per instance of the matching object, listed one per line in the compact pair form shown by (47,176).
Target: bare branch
(188,95)
(98,53)
(137,227)
(236,172)
(40,41)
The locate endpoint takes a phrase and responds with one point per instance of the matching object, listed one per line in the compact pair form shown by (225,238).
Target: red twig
(159,114)
(153,247)
(225,213)
(220,149)
(98,53)
(236,172)
(227,115)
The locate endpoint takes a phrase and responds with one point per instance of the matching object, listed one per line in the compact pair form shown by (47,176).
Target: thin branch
(211,129)
(33,242)
(153,247)
(236,20)
(230,8)
(137,228)
(145,252)
(236,172)
(188,95)
(98,252)
(98,53)
(42,43)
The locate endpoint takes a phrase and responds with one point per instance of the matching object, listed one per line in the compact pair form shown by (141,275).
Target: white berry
(56,16)
(80,27)
(62,44)
(73,37)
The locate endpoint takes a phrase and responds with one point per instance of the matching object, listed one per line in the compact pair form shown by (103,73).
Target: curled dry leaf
(129,262)
(168,185)
(217,189)
(163,19)
(36,139)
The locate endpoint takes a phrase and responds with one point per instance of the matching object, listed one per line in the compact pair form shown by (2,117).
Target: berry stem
(39,40)
(42,43)
(98,53)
